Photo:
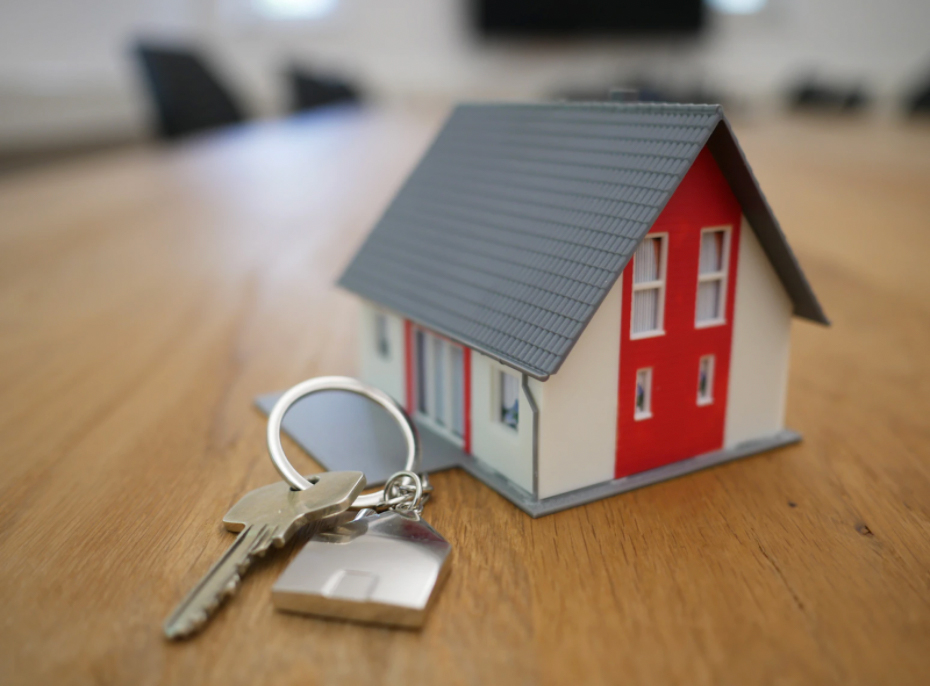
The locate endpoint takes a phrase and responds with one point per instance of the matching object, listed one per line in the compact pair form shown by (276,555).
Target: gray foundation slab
(345,431)
(538,508)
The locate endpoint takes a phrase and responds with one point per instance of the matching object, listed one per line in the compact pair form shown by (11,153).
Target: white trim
(709,323)
(647,334)
(722,276)
(647,413)
(658,284)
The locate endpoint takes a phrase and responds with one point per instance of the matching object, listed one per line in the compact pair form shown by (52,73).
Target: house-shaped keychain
(380,568)
(583,298)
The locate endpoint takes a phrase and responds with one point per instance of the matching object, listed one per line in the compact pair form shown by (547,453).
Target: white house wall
(578,407)
(502,448)
(761,346)
(384,373)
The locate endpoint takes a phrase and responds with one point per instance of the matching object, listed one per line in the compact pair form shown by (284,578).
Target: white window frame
(445,424)
(722,276)
(647,412)
(707,398)
(382,331)
(498,404)
(659,284)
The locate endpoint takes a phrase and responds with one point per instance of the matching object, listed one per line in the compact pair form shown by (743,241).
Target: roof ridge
(637,105)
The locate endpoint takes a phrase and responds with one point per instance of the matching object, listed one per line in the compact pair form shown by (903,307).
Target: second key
(267,516)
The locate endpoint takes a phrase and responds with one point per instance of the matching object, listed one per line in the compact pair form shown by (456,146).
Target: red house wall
(679,428)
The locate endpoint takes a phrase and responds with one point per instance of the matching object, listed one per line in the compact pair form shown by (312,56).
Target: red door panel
(679,427)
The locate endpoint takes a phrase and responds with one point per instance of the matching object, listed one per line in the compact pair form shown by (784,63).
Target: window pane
(420,345)
(647,261)
(706,379)
(709,300)
(646,310)
(643,400)
(458,391)
(510,400)
(381,334)
(439,380)
(711,252)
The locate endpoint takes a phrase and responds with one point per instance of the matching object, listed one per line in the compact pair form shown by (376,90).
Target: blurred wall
(65,72)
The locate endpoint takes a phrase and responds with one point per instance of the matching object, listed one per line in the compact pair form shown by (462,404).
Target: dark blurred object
(309,91)
(811,95)
(187,94)
(586,17)
(917,103)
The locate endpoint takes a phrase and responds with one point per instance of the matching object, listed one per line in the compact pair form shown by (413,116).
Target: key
(267,516)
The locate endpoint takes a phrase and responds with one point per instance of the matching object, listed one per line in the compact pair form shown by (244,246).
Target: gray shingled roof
(519,218)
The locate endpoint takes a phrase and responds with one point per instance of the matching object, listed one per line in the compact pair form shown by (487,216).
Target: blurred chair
(811,95)
(309,91)
(187,95)
(917,101)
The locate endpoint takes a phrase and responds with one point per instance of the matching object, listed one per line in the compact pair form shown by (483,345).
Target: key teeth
(265,536)
(190,626)
(197,620)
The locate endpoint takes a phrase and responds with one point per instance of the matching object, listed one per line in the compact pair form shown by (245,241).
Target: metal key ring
(339,383)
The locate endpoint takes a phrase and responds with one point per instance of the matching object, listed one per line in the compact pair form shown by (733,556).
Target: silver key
(267,516)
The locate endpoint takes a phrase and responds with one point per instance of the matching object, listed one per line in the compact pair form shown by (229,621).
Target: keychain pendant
(381,568)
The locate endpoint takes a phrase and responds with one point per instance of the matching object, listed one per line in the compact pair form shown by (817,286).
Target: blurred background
(87,74)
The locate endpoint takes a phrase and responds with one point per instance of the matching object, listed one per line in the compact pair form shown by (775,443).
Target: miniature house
(583,298)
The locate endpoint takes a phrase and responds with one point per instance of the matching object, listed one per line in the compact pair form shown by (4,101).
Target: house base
(347,432)
(537,508)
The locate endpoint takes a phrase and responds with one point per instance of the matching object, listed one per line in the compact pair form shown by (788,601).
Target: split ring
(339,383)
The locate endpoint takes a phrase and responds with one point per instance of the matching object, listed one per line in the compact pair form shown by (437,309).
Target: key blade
(331,493)
(218,583)
(266,516)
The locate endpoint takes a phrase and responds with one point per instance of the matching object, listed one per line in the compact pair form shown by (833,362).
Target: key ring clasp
(339,383)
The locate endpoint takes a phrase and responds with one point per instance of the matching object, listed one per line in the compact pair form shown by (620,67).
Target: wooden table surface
(147,295)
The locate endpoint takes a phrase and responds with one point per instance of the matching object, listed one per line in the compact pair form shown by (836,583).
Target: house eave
(535,373)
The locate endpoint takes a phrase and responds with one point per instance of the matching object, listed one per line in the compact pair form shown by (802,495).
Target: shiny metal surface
(266,516)
(339,383)
(381,568)
(403,492)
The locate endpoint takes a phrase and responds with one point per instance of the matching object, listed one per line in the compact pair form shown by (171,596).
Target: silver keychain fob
(380,568)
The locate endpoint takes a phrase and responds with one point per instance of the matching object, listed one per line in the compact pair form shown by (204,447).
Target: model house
(583,298)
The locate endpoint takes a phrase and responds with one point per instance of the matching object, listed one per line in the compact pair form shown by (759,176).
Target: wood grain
(146,296)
